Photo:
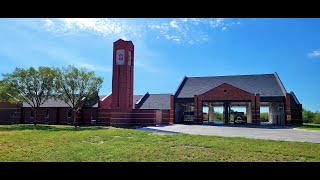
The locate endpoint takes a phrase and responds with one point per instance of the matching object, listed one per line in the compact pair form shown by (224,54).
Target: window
(69,113)
(69,116)
(13,117)
(47,112)
(32,114)
(47,115)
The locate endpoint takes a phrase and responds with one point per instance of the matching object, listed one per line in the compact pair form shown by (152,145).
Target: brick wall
(144,117)
(288,109)
(296,115)
(172,113)
(106,103)
(10,113)
(226,92)
(166,117)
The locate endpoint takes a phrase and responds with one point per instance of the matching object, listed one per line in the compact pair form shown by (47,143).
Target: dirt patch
(160,134)
(8,132)
(191,147)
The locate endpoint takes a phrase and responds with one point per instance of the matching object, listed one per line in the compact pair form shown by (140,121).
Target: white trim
(180,85)
(142,98)
(106,96)
(280,83)
(294,97)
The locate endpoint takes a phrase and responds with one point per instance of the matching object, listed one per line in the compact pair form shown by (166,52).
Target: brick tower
(122,83)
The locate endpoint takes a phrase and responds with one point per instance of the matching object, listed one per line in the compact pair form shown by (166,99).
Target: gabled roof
(50,103)
(152,101)
(155,101)
(136,98)
(265,84)
(58,103)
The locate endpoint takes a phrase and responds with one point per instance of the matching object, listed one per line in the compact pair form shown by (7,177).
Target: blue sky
(166,50)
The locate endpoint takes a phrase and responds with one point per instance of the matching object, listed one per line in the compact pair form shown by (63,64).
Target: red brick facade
(227,92)
(10,113)
(105,103)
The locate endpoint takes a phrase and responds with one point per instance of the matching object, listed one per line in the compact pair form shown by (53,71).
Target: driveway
(273,133)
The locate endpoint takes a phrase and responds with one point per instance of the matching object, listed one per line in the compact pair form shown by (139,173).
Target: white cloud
(173,24)
(95,67)
(188,30)
(108,28)
(314,54)
(170,37)
(216,22)
(48,22)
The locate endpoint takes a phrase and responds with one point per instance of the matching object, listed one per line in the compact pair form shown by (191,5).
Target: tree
(307,116)
(75,87)
(8,94)
(32,86)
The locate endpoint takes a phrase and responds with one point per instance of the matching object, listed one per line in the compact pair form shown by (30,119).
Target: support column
(198,117)
(288,109)
(248,113)
(253,109)
(258,109)
(211,114)
(171,115)
(226,113)
(299,118)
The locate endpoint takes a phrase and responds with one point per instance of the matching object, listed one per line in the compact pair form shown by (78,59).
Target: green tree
(76,87)
(264,117)
(8,94)
(218,116)
(31,86)
(307,116)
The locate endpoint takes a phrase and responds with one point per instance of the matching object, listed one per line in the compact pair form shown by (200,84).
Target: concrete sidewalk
(284,133)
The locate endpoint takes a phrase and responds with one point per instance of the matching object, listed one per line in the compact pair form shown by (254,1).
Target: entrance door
(158,117)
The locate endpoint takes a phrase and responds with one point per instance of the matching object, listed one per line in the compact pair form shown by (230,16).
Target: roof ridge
(161,94)
(229,75)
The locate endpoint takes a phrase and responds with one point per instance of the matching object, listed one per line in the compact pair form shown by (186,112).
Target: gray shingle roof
(50,103)
(102,96)
(58,103)
(136,98)
(153,101)
(156,101)
(266,84)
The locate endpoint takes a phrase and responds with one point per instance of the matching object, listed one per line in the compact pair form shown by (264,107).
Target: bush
(264,117)
(310,117)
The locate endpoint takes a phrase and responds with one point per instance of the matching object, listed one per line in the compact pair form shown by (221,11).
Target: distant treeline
(307,116)
(310,117)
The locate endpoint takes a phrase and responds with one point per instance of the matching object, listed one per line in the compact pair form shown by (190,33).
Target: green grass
(66,143)
(309,126)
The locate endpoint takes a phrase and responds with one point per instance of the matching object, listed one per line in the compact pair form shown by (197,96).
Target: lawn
(66,143)
(309,126)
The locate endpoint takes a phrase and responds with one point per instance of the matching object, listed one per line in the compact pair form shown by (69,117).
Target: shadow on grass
(20,127)
(309,126)
(158,130)
(262,126)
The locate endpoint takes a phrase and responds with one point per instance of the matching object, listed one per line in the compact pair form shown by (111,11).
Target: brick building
(122,108)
